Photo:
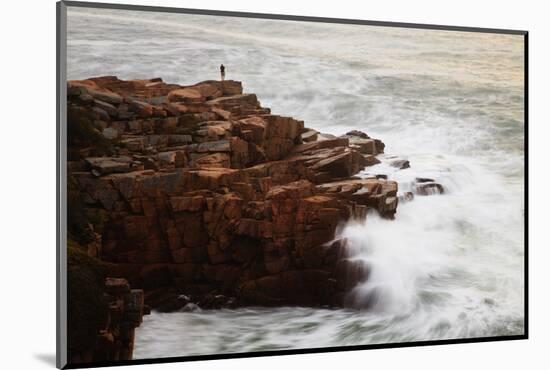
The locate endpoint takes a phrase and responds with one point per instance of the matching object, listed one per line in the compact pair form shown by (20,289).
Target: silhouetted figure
(222,72)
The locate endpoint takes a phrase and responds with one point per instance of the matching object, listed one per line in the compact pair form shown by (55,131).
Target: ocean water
(449,266)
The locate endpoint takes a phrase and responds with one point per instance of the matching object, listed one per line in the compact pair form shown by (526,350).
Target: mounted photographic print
(239,184)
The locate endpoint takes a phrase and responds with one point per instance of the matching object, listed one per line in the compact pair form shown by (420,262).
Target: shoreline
(198,195)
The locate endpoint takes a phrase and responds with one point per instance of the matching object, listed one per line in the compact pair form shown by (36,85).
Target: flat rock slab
(106,165)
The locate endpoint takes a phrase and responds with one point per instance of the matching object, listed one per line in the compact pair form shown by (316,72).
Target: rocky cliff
(199,195)
(102,313)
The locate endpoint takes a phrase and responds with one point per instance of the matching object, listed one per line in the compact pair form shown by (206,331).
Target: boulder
(429,188)
(400,164)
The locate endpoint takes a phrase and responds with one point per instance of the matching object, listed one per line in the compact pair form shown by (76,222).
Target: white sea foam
(448,266)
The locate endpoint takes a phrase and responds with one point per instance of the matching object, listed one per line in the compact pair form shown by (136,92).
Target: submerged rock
(429,188)
(400,164)
(423,180)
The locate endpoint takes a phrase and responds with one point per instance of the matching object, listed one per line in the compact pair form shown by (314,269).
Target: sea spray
(441,255)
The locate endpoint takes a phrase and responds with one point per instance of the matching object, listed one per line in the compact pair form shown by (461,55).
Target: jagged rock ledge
(206,197)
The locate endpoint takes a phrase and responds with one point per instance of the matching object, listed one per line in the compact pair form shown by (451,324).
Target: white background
(27,183)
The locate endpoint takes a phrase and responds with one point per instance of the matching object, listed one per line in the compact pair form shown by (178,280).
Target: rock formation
(205,196)
(102,312)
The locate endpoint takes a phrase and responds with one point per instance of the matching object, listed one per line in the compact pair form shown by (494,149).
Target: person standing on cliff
(222,72)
